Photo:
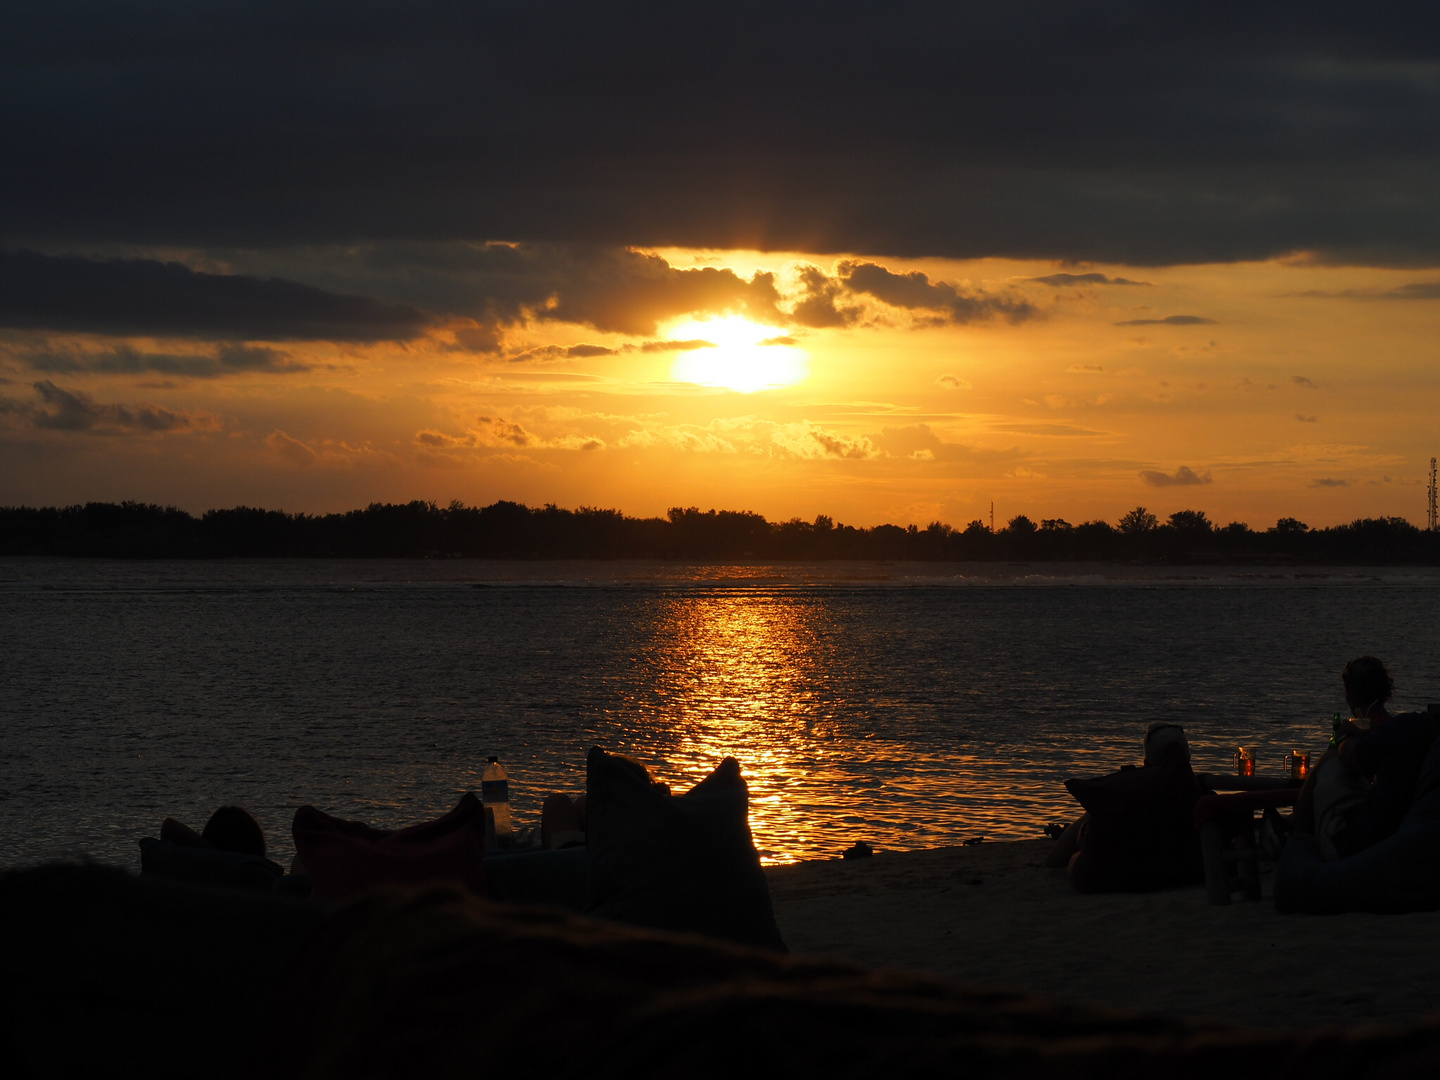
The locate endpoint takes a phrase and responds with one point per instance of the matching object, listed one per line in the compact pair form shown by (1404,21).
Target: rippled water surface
(909,706)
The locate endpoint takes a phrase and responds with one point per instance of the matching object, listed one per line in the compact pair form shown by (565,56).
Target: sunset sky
(886,262)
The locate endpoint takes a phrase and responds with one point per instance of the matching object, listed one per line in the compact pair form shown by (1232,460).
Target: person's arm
(1305,801)
(1357,748)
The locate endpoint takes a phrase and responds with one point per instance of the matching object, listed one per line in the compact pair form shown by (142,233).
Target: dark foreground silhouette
(507,530)
(103,968)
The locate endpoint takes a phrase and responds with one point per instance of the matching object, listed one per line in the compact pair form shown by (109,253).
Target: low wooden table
(1236,868)
(1230,782)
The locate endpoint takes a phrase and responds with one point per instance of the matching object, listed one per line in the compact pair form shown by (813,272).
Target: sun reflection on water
(744,676)
(834,751)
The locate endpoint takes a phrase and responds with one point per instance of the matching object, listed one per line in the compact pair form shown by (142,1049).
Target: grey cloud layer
(1121,131)
(1184,476)
(1064,280)
(145,296)
(75,410)
(415,286)
(915,290)
(610,289)
(127,360)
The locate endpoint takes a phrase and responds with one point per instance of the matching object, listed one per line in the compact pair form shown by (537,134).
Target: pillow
(1140,834)
(343,857)
(669,862)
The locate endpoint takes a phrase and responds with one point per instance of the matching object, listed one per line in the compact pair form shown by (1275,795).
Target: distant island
(508,530)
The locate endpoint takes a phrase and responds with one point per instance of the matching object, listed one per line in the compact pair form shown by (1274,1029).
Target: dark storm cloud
(144,296)
(609,288)
(1170,320)
(74,410)
(1063,280)
(820,303)
(915,290)
(1102,130)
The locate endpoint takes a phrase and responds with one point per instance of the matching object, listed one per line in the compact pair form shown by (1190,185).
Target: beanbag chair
(1140,833)
(343,857)
(207,865)
(535,876)
(1399,874)
(676,862)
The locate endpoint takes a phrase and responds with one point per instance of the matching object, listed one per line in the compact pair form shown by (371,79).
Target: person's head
(231,828)
(1367,684)
(1160,737)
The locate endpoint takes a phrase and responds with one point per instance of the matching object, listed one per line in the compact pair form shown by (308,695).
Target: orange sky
(1283,389)
(886,262)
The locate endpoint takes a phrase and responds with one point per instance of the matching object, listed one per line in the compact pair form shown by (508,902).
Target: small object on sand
(975,840)
(1053,830)
(861,850)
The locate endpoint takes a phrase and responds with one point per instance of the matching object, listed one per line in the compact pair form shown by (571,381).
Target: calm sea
(905,705)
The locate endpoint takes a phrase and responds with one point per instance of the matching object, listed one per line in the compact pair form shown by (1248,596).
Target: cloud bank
(1109,131)
(144,296)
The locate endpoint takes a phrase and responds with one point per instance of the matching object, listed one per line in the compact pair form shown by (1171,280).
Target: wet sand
(990,915)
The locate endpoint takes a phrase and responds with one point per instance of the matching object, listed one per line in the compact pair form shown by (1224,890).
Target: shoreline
(989,915)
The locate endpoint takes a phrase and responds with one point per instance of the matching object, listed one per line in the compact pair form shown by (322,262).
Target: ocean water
(906,705)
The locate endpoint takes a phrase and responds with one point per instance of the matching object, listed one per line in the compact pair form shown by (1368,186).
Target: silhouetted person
(1163,740)
(1364,785)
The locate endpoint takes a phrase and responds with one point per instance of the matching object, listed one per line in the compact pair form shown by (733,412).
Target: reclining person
(1364,785)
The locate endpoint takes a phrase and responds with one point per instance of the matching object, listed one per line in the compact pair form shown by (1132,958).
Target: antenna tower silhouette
(1430,500)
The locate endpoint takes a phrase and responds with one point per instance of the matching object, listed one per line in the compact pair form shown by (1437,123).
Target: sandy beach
(990,915)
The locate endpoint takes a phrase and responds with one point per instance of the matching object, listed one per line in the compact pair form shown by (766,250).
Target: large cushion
(343,857)
(1140,833)
(207,865)
(536,876)
(685,862)
(1399,874)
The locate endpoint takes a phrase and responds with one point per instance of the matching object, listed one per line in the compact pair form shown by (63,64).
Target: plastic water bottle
(495,794)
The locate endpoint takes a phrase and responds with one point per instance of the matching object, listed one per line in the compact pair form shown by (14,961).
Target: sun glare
(741,355)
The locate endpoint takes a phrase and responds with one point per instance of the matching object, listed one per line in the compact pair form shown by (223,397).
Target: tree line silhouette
(508,530)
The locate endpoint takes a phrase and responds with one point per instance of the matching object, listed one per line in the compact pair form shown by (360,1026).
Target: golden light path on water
(747,670)
(764,679)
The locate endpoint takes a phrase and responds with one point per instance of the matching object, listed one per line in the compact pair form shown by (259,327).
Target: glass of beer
(1297,765)
(1244,761)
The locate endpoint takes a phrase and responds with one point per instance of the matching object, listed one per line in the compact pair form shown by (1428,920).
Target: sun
(739,355)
